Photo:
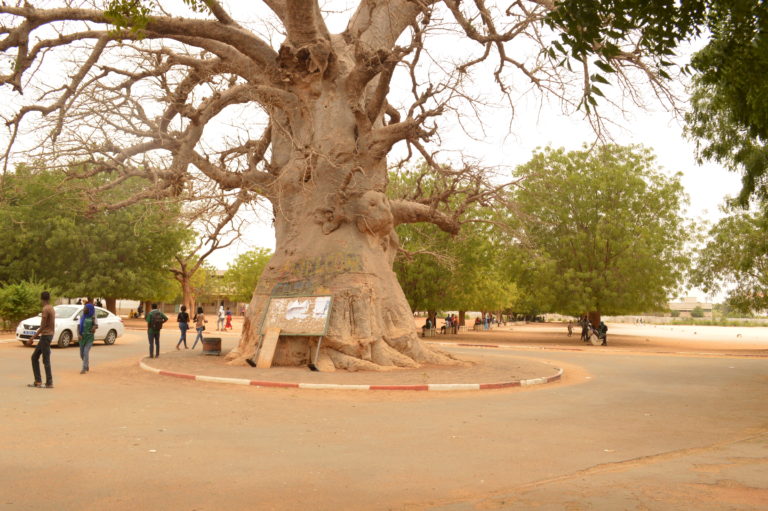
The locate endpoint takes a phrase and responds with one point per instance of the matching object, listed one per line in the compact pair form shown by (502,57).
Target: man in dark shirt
(45,332)
(153,330)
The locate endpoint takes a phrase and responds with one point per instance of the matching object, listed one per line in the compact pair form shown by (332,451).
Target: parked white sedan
(110,326)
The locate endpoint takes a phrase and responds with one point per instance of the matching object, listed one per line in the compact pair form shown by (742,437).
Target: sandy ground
(621,336)
(647,423)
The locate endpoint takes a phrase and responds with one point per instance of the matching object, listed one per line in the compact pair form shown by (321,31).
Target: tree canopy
(242,275)
(605,230)
(466,272)
(439,271)
(735,260)
(50,234)
(729,101)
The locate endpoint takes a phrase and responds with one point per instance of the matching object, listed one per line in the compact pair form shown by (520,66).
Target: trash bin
(212,346)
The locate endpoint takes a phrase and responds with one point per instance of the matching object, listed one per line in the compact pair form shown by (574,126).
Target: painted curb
(335,386)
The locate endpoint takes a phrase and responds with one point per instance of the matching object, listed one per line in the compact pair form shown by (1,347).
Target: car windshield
(66,311)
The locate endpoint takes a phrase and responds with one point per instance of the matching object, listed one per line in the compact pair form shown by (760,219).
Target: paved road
(623,431)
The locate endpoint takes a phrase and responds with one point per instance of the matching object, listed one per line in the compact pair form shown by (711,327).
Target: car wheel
(65,339)
(110,338)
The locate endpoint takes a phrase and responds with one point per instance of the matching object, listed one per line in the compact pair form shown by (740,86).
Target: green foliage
(206,286)
(597,31)
(19,301)
(697,312)
(443,272)
(735,260)
(674,314)
(243,273)
(604,229)
(131,14)
(729,114)
(135,14)
(49,232)
(729,100)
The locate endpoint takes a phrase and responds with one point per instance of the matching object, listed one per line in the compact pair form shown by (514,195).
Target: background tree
(206,285)
(52,234)
(438,271)
(729,100)
(463,273)
(215,221)
(242,275)
(315,118)
(735,260)
(607,227)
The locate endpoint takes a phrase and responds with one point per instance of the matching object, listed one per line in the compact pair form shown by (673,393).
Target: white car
(110,326)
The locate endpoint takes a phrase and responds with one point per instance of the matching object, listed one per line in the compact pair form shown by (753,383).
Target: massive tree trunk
(371,325)
(335,230)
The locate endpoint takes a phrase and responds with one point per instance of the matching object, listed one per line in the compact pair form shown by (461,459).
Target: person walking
(45,333)
(200,322)
(220,318)
(183,319)
(85,331)
(228,324)
(155,319)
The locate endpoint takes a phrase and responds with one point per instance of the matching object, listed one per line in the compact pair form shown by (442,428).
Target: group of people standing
(586,327)
(487,320)
(451,324)
(224,318)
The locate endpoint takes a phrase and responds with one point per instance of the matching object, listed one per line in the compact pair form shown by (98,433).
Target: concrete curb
(335,386)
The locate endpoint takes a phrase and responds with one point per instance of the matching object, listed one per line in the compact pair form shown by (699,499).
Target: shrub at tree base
(19,301)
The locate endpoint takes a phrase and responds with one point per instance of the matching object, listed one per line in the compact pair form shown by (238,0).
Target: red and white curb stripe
(336,386)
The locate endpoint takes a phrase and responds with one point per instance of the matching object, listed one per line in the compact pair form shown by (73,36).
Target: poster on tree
(298,315)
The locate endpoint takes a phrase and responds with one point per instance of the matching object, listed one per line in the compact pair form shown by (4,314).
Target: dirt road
(626,429)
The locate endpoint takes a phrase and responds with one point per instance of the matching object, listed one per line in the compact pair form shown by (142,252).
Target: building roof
(688,304)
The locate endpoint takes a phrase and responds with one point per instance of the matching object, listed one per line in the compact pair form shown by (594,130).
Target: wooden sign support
(267,350)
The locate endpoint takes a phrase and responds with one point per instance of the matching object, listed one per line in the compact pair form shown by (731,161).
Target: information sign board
(298,315)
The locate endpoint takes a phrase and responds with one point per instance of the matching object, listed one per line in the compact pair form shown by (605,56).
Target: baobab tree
(216,221)
(300,115)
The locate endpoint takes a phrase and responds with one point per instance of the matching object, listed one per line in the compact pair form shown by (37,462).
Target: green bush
(19,301)
(674,314)
(697,312)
